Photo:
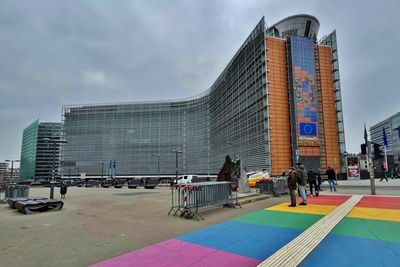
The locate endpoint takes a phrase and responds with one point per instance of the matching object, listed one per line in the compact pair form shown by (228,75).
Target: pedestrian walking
(383,174)
(331,178)
(63,190)
(292,184)
(312,181)
(301,176)
(319,179)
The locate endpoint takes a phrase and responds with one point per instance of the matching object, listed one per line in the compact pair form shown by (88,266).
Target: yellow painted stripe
(375,214)
(310,208)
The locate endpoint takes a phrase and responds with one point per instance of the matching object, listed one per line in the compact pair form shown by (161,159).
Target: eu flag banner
(114,164)
(308,129)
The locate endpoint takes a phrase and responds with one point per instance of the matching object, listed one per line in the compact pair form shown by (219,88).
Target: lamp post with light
(54,141)
(176,162)
(158,165)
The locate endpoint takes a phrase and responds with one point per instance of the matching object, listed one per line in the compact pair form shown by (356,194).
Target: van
(187,179)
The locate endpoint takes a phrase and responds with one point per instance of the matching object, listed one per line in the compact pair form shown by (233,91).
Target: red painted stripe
(333,200)
(380,202)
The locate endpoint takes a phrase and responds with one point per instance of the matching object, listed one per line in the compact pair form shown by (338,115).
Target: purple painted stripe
(177,253)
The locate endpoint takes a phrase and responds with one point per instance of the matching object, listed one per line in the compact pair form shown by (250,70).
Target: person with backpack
(292,185)
(312,181)
(301,176)
(63,190)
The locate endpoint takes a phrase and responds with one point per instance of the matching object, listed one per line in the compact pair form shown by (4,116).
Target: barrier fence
(276,186)
(188,199)
(13,191)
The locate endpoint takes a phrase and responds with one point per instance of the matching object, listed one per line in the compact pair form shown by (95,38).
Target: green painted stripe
(370,229)
(290,220)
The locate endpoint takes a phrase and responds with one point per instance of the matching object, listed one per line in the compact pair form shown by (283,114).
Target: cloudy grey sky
(95,51)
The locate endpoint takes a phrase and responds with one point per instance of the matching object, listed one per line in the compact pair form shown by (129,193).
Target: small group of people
(298,179)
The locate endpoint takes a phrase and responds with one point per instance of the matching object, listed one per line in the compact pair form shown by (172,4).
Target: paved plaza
(368,236)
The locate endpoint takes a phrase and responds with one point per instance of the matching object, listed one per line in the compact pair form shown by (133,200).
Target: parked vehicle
(257,177)
(188,179)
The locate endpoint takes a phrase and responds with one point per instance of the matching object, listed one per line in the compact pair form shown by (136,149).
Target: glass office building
(38,155)
(392,130)
(245,113)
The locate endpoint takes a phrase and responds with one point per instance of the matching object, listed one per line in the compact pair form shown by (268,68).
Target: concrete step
(252,198)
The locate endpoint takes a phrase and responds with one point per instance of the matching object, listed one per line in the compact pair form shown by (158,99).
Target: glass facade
(28,151)
(300,25)
(229,118)
(38,155)
(331,41)
(392,128)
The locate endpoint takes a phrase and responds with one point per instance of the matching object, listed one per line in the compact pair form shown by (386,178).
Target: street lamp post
(234,149)
(12,167)
(53,171)
(102,169)
(158,165)
(176,161)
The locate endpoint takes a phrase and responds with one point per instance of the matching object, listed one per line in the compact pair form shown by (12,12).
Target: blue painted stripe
(342,251)
(245,239)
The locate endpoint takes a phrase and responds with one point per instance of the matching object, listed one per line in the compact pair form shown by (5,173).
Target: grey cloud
(67,52)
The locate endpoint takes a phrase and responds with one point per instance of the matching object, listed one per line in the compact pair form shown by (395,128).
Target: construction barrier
(2,194)
(188,199)
(14,191)
(265,187)
(275,186)
(280,185)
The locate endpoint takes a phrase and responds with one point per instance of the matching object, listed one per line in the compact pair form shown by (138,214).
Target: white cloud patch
(93,77)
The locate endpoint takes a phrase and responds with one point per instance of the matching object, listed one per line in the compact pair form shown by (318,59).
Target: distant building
(278,101)
(4,171)
(392,126)
(39,153)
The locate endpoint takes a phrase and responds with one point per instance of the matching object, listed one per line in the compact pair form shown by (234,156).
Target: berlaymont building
(278,101)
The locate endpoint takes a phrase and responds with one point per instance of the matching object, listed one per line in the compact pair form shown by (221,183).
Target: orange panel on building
(278,99)
(329,110)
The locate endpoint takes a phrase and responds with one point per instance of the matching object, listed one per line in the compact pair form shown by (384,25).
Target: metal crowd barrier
(280,185)
(276,186)
(188,199)
(266,187)
(14,191)
(2,195)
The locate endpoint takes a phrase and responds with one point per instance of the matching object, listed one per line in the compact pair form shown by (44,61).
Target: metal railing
(13,191)
(188,199)
(276,186)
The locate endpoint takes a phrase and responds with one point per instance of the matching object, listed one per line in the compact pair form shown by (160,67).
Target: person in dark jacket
(63,190)
(312,181)
(301,176)
(292,184)
(319,179)
(331,178)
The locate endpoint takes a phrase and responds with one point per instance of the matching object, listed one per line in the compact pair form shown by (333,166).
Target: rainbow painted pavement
(368,236)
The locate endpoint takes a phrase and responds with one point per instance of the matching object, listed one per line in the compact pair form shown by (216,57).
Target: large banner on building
(305,90)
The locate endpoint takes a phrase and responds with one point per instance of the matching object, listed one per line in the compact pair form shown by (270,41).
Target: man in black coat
(312,180)
(292,184)
(331,178)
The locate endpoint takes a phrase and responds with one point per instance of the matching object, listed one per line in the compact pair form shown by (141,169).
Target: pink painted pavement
(177,253)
